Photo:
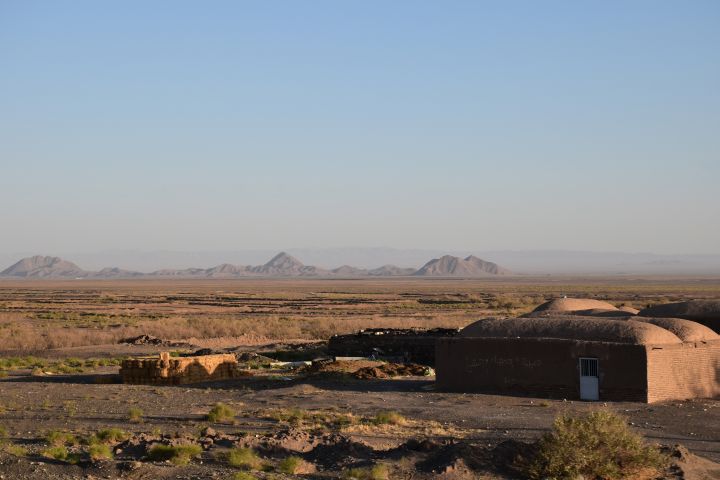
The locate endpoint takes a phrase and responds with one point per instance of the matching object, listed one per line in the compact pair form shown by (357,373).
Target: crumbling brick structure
(635,359)
(167,370)
(409,344)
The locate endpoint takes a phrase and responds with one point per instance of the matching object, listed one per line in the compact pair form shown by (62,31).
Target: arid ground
(59,389)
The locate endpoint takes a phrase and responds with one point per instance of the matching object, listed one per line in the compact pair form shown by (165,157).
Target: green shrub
(58,453)
(291,465)
(293,416)
(177,454)
(244,476)
(59,438)
(244,458)
(16,450)
(3,432)
(99,451)
(111,435)
(379,472)
(595,445)
(220,413)
(376,472)
(135,414)
(389,418)
(70,408)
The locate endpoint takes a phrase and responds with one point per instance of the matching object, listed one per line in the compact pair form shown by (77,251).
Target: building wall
(539,367)
(679,372)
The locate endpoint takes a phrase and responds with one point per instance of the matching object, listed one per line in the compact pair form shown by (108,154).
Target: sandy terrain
(326,418)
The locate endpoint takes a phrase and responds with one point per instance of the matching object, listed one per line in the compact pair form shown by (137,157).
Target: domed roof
(685,330)
(690,310)
(573,305)
(627,309)
(573,328)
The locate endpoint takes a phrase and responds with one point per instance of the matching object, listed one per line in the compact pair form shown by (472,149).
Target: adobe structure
(411,344)
(590,358)
(167,370)
(706,312)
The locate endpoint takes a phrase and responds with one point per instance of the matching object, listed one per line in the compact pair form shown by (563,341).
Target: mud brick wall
(539,367)
(167,370)
(679,372)
(414,346)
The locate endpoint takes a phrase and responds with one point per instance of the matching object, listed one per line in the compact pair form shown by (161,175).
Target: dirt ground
(36,405)
(327,418)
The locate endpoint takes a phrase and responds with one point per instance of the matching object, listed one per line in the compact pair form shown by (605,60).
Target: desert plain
(61,401)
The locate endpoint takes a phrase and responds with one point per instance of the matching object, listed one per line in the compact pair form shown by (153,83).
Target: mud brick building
(167,370)
(589,358)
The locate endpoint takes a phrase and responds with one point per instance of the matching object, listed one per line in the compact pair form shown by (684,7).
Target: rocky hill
(284,265)
(44,267)
(390,271)
(449,266)
(281,265)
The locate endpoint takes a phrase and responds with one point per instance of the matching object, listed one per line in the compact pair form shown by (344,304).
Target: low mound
(573,305)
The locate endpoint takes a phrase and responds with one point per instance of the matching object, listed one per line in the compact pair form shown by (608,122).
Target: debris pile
(368,369)
(407,344)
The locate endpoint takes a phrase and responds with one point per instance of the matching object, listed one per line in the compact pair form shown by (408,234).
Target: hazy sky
(276,124)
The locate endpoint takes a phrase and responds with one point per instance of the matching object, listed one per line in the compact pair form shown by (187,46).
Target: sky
(459,125)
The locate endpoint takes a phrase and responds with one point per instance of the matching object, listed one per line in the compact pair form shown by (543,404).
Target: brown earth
(454,435)
(445,435)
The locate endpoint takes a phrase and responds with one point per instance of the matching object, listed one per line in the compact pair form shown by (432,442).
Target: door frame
(589,370)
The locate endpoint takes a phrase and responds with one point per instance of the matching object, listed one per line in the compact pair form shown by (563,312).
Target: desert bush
(111,435)
(220,413)
(595,445)
(135,414)
(376,472)
(244,458)
(290,465)
(16,450)
(311,419)
(70,407)
(99,451)
(177,454)
(60,438)
(59,452)
(244,476)
(292,416)
(62,454)
(389,418)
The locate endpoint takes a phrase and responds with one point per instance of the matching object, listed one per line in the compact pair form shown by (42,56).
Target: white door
(589,379)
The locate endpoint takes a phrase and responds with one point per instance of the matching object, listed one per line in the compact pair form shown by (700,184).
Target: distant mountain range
(281,265)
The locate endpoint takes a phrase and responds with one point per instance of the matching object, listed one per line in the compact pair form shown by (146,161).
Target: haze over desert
(245,240)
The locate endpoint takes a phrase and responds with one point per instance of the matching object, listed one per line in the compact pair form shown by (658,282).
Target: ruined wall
(539,367)
(413,345)
(679,372)
(167,370)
